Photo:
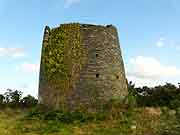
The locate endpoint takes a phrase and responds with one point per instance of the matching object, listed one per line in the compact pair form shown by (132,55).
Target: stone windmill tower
(81,66)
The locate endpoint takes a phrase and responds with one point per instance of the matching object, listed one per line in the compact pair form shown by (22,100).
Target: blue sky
(149,32)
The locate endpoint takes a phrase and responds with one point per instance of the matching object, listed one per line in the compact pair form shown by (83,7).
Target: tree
(12,97)
(15,96)
(7,95)
(1,98)
(29,101)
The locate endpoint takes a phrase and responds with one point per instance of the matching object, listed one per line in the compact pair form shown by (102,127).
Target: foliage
(131,98)
(166,95)
(168,124)
(63,41)
(60,116)
(13,98)
(61,60)
(1,99)
(29,101)
(137,121)
(146,113)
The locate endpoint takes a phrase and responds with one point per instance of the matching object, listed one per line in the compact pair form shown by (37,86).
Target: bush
(59,116)
(12,98)
(15,97)
(178,113)
(1,99)
(29,101)
(131,100)
(165,95)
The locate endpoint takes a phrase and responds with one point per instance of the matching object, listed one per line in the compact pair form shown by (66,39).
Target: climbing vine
(61,58)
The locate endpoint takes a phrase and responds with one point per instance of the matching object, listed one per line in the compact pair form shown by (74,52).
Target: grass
(120,121)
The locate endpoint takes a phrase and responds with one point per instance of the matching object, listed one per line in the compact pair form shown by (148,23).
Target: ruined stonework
(81,67)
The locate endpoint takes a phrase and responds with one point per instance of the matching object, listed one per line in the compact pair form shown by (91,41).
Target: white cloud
(149,71)
(160,43)
(149,67)
(12,52)
(28,68)
(143,81)
(69,3)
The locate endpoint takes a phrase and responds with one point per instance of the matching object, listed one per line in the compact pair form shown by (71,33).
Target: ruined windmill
(81,66)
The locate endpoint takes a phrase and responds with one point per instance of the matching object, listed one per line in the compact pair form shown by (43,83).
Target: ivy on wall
(61,58)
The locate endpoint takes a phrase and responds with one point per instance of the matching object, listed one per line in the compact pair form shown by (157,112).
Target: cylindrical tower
(81,67)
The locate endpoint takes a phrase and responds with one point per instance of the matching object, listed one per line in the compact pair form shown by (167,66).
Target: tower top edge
(84,25)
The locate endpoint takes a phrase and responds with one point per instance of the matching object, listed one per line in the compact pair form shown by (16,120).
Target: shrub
(1,99)
(131,100)
(29,101)
(165,95)
(59,116)
(15,97)
(12,98)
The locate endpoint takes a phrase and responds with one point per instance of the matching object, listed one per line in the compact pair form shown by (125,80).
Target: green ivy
(60,54)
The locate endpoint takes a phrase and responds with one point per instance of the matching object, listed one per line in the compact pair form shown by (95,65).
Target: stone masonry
(81,67)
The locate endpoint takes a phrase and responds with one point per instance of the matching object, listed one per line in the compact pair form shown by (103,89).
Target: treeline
(13,98)
(162,95)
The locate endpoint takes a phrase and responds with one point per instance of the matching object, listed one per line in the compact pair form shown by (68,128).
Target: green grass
(137,121)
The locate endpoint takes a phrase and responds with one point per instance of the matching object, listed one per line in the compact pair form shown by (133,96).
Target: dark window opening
(97,75)
(117,77)
(97,55)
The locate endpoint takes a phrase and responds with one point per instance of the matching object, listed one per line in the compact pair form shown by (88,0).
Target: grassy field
(138,121)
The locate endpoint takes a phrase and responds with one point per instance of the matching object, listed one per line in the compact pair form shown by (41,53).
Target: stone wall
(90,71)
